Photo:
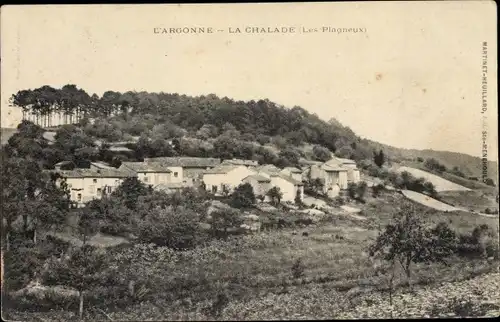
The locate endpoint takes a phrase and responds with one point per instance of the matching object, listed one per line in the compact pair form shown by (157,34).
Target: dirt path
(439,183)
(428,201)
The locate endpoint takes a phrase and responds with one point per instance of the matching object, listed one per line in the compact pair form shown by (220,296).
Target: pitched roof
(241,162)
(101,165)
(333,168)
(258,178)
(222,169)
(292,169)
(91,173)
(340,161)
(146,167)
(268,168)
(287,178)
(187,162)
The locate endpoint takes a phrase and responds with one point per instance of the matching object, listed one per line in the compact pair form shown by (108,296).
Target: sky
(410,77)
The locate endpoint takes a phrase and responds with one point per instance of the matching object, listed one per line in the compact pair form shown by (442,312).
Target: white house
(150,173)
(260,185)
(187,170)
(353,174)
(267,169)
(225,178)
(88,184)
(334,178)
(288,186)
(292,172)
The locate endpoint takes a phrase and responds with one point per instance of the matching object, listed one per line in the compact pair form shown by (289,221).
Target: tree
(407,241)
(83,270)
(351,190)
(223,220)
(130,190)
(243,196)
(177,229)
(321,154)
(489,182)
(361,190)
(275,194)
(379,158)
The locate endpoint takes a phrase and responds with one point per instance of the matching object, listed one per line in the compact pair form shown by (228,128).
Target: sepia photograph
(249,161)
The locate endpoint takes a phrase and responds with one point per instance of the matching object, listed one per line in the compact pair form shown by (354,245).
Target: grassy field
(256,271)
(472,200)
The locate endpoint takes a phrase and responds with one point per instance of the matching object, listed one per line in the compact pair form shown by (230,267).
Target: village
(216,176)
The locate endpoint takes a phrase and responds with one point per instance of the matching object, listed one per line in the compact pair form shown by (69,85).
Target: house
(292,172)
(288,186)
(150,173)
(88,184)
(246,163)
(224,178)
(260,184)
(334,178)
(189,169)
(267,169)
(353,174)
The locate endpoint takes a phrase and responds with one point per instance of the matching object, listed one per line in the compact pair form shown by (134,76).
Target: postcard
(249,161)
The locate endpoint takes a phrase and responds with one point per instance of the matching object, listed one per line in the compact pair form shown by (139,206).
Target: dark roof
(187,162)
(258,178)
(91,173)
(146,167)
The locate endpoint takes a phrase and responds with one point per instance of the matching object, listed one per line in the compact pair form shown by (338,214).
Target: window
(176,174)
(146,179)
(214,189)
(109,189)
(95,180)
(79,197)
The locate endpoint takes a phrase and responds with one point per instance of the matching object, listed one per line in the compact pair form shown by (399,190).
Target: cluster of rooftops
(208,165)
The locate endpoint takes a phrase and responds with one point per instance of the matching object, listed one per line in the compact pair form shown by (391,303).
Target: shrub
(243,196)
(298,269)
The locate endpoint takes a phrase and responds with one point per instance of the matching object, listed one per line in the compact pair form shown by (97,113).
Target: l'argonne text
(258,30)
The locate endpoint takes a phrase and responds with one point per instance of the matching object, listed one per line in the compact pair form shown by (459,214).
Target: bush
(243,196)
(298,269)
(377,189)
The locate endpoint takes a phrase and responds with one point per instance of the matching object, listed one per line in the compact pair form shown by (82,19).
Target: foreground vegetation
(185,256)
(315,270)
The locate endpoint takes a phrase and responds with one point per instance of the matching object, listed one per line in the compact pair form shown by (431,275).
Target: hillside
(120,116)
(439,183)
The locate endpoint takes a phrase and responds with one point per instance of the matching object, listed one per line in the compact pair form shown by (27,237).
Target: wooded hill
(120,116)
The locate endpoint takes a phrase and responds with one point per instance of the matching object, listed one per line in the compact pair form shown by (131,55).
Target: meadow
(318,271)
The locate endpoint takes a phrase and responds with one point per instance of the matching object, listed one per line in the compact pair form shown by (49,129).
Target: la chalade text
(256,30)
